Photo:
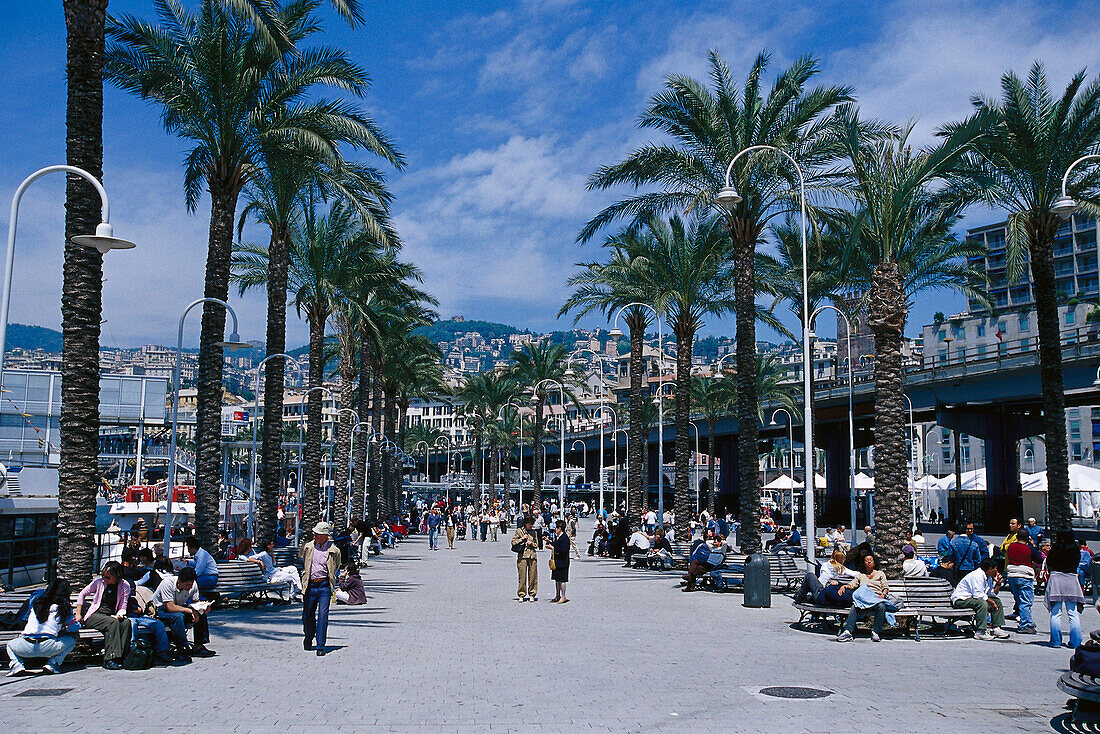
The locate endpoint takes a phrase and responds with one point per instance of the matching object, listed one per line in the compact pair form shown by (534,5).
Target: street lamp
(351,456)
(851,411)
(912,466)
(659,401)
(615,440)
(1065,206)
(615,455)
(603,392)
(561,393)
(584,456)
(616,333)
(233,343)
(695,468)
(447,438)
(727,199)
(255,430)
(359,425)
(519,420)
(718,364)
(301,461)
(103,239)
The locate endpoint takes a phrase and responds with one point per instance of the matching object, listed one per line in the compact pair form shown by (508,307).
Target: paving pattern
(444,646)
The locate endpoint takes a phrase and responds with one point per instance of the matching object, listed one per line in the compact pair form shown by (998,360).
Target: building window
(1075,451)
(981,329)
(1075,429)
(1025,322)
(947,456)
(1071,317)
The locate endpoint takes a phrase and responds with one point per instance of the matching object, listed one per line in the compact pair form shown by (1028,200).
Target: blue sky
(502,110)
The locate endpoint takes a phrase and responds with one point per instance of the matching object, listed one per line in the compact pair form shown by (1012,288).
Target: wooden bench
(1082,688)
(12,601)
(244,581)
(785,573)
(287,556)
(928,598)
(681,553)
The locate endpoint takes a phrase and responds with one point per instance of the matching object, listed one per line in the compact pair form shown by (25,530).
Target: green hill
(22,336)
(443,331)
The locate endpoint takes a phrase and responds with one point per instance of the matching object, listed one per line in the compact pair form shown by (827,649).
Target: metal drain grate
(40,692)
(794,692)
(469,563)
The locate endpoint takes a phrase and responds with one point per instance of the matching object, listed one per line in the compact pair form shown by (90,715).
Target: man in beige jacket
(525,545)
(320,559)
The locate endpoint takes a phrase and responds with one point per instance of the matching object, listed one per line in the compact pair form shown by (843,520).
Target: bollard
(758,582)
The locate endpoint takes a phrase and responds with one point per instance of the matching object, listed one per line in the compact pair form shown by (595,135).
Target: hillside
(21,336)
(442,331)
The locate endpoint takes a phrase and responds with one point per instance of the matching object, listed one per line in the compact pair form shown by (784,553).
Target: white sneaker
(844,636)
(875,637)
(999,633)
(984,636)
(15,669)
(49,669)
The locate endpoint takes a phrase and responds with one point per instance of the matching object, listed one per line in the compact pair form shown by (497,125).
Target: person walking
(494,524)
(1064,588)
(433,522)
(525,545)
(451,529)
(559,562)
(320,561)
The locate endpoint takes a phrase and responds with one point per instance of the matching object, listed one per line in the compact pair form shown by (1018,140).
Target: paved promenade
(444,646)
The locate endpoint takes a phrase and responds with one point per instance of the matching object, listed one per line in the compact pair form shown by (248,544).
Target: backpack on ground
(140,655)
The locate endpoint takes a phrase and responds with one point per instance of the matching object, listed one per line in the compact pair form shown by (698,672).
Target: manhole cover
(795,692)
(44,692)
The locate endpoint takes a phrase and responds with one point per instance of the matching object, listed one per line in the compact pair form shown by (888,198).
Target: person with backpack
(149,645)
(49,633)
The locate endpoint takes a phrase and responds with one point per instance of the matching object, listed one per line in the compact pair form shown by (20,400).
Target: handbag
(553,566)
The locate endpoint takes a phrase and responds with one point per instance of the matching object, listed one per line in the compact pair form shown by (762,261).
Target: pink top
(95,590)
(319,566)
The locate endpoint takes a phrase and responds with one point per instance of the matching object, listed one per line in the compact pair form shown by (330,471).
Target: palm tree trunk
(684,499)
(538,455)
(389,458)
(375,478)
(311,484)
(507,479)
(477,470)
(343,445)
(713,499)
(636,467)
(223,207)
(886,317)
(1041,231)
(360,458)
(744,294)
(271,452)
(81,296)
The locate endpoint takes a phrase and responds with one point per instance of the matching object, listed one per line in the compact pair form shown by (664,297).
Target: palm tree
(81,295)
(1030,141)
(226,89)
(713,397)
(417,373)
(708,128)
(535,363)
(901,231)
(608,287)
(482,397)
(686,266)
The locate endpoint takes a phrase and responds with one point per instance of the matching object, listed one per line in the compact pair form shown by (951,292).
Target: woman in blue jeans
(1064,588)
(44,636)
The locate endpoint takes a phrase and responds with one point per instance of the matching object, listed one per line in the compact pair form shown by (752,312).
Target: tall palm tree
(482,397)
(81,294)
(708,127)
(903,243)
(418,373)
(713,397)
(321,251)
(533,364)
(686,266)
(226,89)
(607,287)
(1030,141)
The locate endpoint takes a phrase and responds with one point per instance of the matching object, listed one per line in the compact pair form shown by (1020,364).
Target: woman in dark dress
(560,573)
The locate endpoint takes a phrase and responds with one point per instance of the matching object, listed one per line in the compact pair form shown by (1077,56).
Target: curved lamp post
(103,239)
(233,343)
(519,420)
(617,333)
(603,391)
(614,440)
(561,393)
(301,459)
(851,412)
(255,430)
(727,199)
(790,442)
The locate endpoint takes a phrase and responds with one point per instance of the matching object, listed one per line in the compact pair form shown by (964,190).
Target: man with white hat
(320,559)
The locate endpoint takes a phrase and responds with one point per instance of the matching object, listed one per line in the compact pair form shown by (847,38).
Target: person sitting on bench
(661,552)
(977,590)
(705,558)
(272,574)
(206,568)
(177,602)
(639,543)
(106,612)
(49,632)
(825,589)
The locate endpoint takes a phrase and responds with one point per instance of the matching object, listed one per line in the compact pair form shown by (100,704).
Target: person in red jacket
(1022,559)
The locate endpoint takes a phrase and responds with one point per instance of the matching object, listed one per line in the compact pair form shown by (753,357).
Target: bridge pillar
(837,509)
(1001,429)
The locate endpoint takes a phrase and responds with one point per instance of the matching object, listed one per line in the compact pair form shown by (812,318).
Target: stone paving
(444,646)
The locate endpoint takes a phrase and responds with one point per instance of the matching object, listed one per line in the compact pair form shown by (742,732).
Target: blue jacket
(434,521)
(969,552)
(943,548)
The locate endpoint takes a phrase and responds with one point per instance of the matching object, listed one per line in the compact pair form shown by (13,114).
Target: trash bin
(758,582)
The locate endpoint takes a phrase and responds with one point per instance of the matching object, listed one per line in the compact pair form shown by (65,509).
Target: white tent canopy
(864,482)
(1084,487)
(783,482)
